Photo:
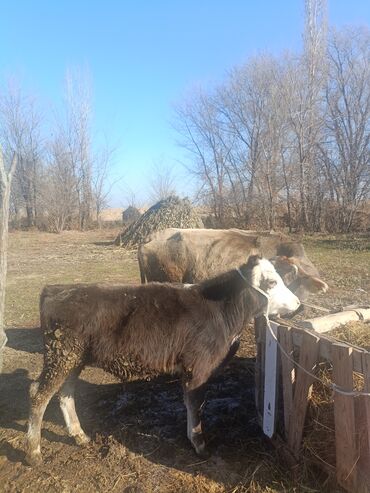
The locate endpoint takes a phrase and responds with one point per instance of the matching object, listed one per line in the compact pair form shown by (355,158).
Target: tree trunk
(5,187)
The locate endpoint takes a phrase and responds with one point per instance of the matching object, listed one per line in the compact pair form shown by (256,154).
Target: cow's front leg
(194,400)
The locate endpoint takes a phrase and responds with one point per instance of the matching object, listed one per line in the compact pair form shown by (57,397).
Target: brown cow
(141,331)
(192,255)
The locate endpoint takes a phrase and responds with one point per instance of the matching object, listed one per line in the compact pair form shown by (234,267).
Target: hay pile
(171,212)
(319,433)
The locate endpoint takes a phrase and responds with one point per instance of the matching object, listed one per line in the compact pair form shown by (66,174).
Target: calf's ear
(252,261)
(251,269)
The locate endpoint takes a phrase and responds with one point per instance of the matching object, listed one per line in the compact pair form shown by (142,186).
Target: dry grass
(36,259)
(344,262)
(355,333)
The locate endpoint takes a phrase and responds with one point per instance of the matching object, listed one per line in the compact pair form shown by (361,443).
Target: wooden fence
(287,358)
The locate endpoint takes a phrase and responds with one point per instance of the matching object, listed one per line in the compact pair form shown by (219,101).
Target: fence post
(270,381)
(309,351)
(259,375)
(363,429)
(344,418)
(287,373)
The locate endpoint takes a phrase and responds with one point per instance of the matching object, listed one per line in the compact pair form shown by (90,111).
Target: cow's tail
(141,265)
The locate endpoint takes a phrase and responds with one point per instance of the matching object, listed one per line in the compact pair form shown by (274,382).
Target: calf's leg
(67,405)
(40,394)
(57,368)
(194,400)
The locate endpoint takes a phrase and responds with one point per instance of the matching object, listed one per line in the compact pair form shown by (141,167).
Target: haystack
(171,212)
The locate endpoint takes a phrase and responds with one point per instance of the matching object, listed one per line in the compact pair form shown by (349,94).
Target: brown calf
(142,331)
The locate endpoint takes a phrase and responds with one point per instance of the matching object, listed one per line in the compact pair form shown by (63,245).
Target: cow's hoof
(34,459)
(82,439)
(202,451)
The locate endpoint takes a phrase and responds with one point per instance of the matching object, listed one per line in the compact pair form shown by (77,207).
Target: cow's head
(263,276)
(296,276)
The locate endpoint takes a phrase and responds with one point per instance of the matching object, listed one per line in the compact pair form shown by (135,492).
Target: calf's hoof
(34,459)
(200,448)
(81,439)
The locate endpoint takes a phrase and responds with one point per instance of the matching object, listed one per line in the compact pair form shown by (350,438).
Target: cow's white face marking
(281,300)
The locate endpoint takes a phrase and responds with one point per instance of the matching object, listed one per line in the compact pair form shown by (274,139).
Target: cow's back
(192,255)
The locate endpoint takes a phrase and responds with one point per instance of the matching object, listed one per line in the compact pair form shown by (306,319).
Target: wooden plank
(326,343)
(363,464)
(334,320)
(260,334)
(344,418)
(308,358)
(366,366)
(287,372)
(269,403)
(364,432)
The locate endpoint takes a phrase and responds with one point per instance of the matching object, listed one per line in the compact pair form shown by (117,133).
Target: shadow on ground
(25,339)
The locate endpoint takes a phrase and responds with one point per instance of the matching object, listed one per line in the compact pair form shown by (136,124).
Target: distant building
(130,215)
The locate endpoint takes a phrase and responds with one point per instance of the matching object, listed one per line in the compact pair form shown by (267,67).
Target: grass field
(139,429)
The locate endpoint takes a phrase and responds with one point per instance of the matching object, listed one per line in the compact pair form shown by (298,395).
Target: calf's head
(298,278)
(263,276)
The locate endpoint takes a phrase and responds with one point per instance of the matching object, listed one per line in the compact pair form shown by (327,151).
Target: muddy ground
(139,429)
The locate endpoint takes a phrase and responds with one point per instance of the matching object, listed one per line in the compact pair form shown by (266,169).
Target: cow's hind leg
(194,400)
(57,368)
(40,394)
(67,405)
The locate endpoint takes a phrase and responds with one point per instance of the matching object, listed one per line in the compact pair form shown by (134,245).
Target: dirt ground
(139,429)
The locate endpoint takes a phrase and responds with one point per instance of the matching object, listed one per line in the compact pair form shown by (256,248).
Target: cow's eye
(271,283)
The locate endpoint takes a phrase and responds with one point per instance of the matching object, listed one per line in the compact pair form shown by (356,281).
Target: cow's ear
(315,285)
(286,268)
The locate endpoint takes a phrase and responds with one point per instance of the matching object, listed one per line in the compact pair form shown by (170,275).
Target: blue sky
(143,56)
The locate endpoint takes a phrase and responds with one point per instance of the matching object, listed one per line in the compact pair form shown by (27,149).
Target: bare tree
(162,182)
(101,187)
(20,129)
(74,138)
(346,155)
(201,135)
(129,197)
(286,138)
(236,137)
(59,198)
(6,177)
(311,119)
(239,104)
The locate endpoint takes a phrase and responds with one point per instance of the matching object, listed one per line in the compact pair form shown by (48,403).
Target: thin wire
(265,313)
(334,387)
(316,307)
